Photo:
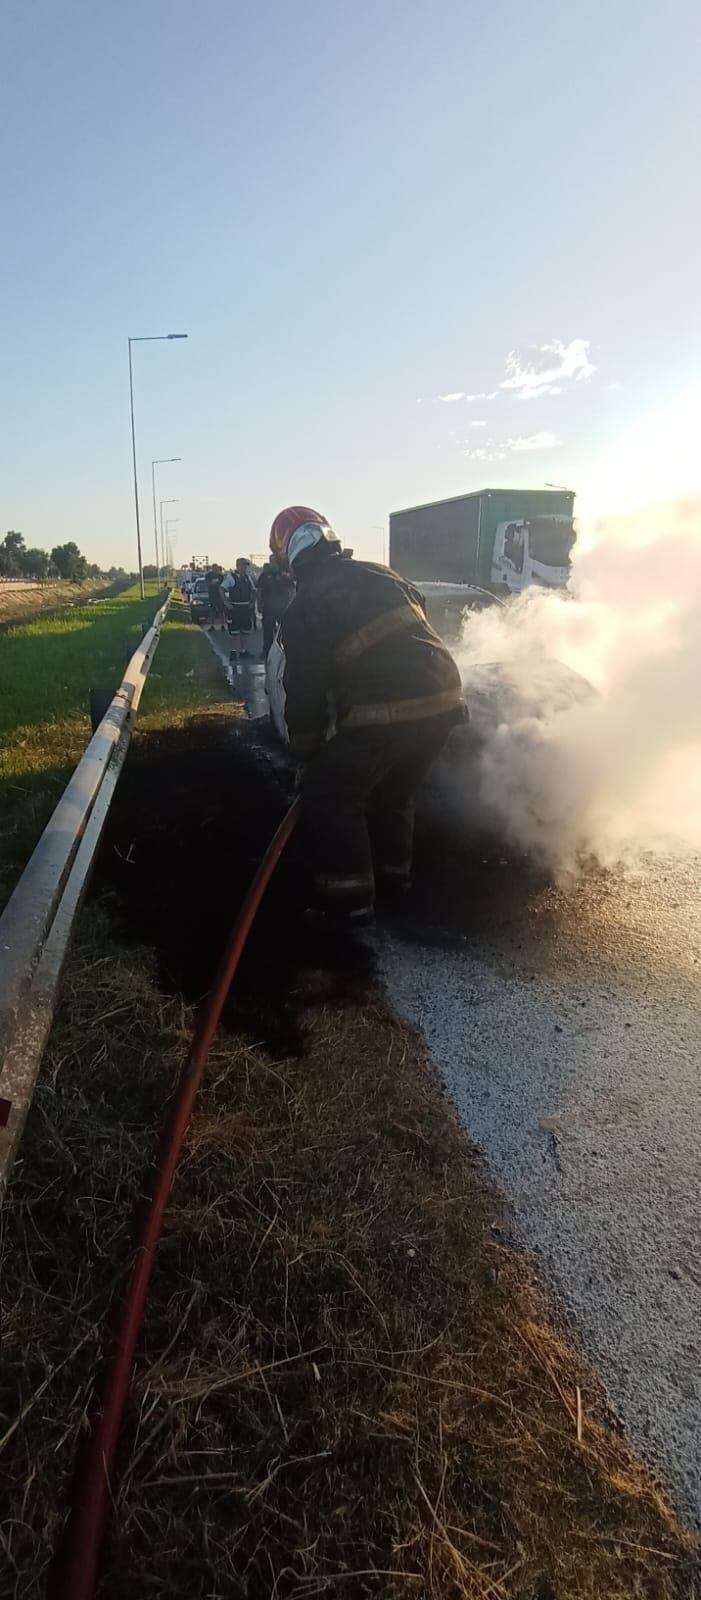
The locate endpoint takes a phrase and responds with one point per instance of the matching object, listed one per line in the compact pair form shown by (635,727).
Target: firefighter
(371,695)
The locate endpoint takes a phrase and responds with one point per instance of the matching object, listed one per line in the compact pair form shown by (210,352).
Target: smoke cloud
(568,774)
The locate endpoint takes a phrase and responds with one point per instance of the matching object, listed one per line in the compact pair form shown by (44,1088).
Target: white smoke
(620,770)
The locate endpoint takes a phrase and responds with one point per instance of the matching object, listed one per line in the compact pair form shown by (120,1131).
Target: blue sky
(350,208)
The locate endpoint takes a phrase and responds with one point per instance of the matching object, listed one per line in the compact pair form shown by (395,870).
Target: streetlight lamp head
(177,336)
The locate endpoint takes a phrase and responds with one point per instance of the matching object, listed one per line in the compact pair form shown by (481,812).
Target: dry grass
(347,1385)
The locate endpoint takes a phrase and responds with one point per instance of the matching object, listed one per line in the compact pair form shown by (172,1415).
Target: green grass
(47,666)
(47,669)
(186,675)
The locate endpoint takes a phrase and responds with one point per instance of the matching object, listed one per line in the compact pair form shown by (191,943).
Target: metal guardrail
(36,925)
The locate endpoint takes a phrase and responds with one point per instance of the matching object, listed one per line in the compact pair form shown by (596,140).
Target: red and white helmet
(296,529)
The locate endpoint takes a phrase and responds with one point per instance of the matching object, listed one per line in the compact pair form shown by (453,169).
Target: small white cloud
(533,441)
(614,386)
(478,424)
(454,396)
(548,368)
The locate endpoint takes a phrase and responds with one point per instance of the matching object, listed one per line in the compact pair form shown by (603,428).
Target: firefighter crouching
(363,665)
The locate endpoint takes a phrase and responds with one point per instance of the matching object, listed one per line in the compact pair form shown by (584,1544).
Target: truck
(496,541)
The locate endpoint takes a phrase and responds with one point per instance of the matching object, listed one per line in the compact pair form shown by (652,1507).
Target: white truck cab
(534,550)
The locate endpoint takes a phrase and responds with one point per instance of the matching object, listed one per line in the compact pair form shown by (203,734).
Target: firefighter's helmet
(295,530)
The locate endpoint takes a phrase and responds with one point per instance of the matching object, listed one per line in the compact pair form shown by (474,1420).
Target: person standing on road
(240,592)
(216,602)
(371,696)
(275,593)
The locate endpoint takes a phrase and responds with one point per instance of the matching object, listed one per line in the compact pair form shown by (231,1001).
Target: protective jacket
(360,653)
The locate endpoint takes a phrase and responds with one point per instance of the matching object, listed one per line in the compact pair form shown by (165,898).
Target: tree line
(18,560)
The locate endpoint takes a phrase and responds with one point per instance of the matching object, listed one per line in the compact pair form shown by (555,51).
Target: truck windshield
(551,541)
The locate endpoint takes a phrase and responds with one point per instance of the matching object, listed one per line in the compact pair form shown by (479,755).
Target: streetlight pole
(146,338)
(160,461)
(170,523)
(161,504)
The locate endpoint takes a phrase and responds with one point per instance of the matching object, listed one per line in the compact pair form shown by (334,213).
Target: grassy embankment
(47,668)
(347,1384)
(19,600)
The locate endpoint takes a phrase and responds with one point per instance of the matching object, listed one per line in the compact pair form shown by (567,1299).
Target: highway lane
(566,1025)
(246,676)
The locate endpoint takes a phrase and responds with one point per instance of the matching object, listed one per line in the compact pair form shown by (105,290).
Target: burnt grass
(347,1385)
(198,806)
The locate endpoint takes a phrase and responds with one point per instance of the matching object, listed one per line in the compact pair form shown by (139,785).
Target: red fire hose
(79,1561)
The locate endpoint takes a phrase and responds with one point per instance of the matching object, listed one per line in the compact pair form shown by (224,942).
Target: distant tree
(68,561)
(93,570)
(35,564)
(11,551)
(151,572)
(115,573)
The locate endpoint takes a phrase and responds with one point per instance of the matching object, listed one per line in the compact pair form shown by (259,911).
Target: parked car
(200,608)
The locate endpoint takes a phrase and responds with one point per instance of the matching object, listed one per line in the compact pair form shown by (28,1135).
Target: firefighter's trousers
(358,794)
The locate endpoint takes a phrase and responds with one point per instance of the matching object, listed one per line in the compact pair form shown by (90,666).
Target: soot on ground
(195,811)
(466,885)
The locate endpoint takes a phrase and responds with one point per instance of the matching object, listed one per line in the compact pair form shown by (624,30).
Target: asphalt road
(566,1025)
(246,676)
